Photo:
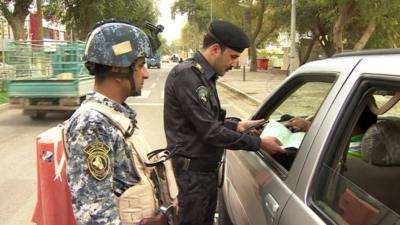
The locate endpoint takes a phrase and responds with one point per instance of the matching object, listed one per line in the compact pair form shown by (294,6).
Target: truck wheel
(38,116)
(223,216)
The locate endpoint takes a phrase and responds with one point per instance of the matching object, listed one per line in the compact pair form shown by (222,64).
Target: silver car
(346,168)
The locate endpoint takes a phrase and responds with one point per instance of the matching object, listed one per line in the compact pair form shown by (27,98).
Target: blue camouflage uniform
(99,164)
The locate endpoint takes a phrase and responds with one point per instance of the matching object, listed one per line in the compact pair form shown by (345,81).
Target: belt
(199,165)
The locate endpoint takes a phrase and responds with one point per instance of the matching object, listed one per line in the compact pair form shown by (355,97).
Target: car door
(257,185)
(336,188)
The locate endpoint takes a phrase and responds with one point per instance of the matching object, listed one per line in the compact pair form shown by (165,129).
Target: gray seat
(379,172)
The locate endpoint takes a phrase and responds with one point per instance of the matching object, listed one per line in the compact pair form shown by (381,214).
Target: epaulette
(197,66)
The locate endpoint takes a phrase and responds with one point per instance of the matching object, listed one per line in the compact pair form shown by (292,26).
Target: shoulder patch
(202,94)
(98,159)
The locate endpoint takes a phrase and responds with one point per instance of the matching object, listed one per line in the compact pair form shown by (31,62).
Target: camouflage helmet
(116,43)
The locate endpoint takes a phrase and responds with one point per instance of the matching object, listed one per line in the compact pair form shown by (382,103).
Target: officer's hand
(243,125)
(272,145)
(297,124)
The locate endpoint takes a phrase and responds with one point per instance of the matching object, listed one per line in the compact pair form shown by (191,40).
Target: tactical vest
(138,201)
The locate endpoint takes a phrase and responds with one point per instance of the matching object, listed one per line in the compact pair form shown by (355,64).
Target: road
(18,187)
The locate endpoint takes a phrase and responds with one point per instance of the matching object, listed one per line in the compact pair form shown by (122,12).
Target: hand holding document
(283,134)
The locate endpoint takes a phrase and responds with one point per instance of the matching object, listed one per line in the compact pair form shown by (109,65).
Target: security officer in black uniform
(195,124)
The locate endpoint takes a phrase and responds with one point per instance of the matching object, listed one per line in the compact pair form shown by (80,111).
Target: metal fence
(25,60)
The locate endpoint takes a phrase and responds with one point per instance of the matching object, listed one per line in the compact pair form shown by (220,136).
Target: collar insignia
(198,66)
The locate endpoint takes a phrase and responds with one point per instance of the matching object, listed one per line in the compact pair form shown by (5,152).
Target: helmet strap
(134,92)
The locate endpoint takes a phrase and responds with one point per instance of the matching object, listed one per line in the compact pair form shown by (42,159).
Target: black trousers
(197,197)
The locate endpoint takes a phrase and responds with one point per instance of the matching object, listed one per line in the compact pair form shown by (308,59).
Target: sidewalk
(257,85)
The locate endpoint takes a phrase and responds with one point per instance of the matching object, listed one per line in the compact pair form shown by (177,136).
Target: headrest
(381,143)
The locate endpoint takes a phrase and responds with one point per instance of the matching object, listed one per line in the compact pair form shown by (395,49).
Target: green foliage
(176,46)
(191,37)
(386,34)
(263,54)
(164,48)
(198,11)
(81,15)
(246,14)
(3,97)
(318,17)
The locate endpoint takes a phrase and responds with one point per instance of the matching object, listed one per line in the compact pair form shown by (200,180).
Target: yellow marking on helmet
(122,48)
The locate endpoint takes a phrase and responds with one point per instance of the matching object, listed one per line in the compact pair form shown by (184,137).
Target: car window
(304,102)
(361,185)
(292,118)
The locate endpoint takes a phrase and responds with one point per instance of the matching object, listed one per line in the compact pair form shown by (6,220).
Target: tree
(164,48)
(248,14)
(39,13)
(198,12)
(74,13)
(349,24)
(15,13)
(176,46)
(192,37)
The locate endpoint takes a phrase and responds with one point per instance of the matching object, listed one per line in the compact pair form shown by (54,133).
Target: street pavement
(256,86)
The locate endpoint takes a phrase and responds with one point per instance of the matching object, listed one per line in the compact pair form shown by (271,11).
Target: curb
(227,86)
(4,106)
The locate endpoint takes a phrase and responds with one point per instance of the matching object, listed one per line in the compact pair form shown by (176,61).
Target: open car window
(292,118)
(304,102)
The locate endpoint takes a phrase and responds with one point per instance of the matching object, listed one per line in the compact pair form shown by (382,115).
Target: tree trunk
(17,26)
(344,14)
(303,59)
(253,36)
(338,33)
(366,35)
(83,32)
(16,19)
(327,47)
(39,28)
(322,36)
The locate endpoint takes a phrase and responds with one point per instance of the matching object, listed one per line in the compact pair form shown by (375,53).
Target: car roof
(369,52)
(384,61)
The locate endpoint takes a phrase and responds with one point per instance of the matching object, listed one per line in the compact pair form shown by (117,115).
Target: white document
(283,134)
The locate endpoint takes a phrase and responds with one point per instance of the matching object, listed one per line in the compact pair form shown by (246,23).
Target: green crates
(51,60)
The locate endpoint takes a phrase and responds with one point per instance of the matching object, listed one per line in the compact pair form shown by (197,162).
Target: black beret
(229,35)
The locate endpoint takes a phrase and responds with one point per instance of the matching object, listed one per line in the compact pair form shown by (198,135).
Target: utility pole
(293,37)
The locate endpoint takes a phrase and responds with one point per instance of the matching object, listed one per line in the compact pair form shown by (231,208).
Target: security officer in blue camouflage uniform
(195,123)
(99,164)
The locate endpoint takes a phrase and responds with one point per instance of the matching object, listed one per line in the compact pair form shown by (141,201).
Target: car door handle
(271,204)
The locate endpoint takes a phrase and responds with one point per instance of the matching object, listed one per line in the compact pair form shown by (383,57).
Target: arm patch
(98,160)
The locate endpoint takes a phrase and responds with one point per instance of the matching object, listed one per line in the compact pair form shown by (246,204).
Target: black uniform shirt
(191,113)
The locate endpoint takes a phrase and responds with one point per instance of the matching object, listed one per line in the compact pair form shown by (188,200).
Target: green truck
(47,79)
